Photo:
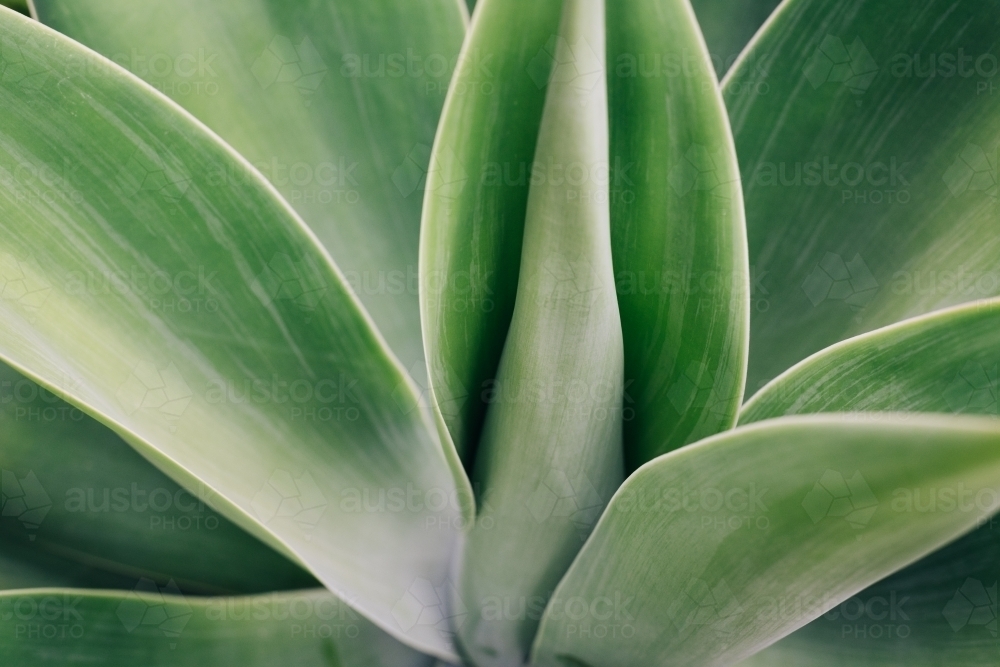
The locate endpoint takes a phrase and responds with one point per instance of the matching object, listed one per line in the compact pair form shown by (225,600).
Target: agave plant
(360,333)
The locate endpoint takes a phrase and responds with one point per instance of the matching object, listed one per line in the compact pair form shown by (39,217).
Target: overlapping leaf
(152,625)
(709,553)
(940,609)
(867,137)
(728,26)
(336,103)
(80,507)
(477,195)
(551,451)
(677,231)
(204,324)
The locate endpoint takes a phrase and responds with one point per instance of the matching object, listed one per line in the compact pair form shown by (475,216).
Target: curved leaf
(204,324)
(938,611)
(477,195)
(923,615)
(155,626)
(728,26)
(335,102)
(551,452)
(868,138)
(703,551)
(77,495)
(677,231)
(942,362)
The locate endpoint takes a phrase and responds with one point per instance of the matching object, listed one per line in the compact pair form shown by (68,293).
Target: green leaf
(154,625)
(681,286)
(551,451)
(205,325)
(335,102)
(477,195)
(76,494)
(702,553)
(942,362)
(923,615)
(938,611)
(677,231)
(728,26)
(867,137)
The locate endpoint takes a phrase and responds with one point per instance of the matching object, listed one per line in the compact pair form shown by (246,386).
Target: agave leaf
(867,137)
(206,326)
(938,611)
(677,231)
(942,362)
(551,451)
(926,614)
(682,287)
(477,195)
(154,625)
(709,553)
(74,492)
(728,26)
(335,102)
